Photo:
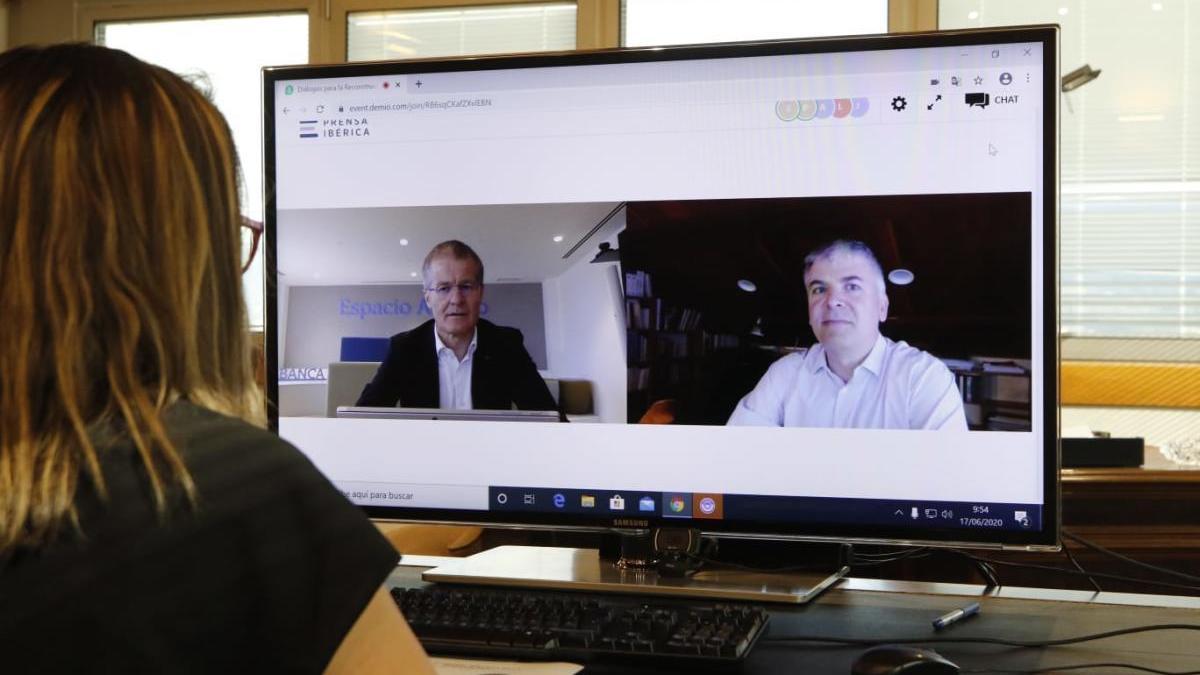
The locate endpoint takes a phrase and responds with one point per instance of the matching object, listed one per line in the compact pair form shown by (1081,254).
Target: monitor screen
(790,289)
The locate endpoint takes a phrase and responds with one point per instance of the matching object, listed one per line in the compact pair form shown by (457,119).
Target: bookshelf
(996,392)
(667,347)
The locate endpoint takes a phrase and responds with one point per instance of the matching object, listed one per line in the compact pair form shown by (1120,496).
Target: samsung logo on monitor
(630,522)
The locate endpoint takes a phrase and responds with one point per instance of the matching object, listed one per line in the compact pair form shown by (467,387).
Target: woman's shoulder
(201,433)
(229,582)
(225,454)
(189,421)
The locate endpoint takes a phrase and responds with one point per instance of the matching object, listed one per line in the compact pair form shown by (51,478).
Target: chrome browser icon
(678,504)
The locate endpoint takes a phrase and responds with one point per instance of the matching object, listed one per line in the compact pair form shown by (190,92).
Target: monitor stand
(583,569)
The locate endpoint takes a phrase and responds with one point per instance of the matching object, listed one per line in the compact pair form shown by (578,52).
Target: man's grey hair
(826,251)
(455,249)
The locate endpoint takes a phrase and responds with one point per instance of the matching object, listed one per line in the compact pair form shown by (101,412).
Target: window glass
(492,29)
(199,49)
(1130,224)
(670,22)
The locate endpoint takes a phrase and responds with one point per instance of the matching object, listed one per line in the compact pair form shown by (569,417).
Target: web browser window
(646,226)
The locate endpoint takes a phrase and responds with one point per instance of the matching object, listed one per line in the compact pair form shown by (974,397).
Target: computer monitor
(642,220)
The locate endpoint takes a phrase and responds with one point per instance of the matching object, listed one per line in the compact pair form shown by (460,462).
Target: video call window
(927,296)
(717,292)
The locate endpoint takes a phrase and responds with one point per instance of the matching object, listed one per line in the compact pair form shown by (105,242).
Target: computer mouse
(901,660)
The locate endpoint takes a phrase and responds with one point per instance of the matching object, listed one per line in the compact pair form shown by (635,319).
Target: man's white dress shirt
(896,387)
(454,376)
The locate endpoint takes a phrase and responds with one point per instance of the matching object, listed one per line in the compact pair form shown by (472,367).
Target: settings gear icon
(899,103)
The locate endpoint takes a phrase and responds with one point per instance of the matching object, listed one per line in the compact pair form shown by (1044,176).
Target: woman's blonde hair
(120,278)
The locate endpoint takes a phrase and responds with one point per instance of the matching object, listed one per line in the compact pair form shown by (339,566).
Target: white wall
(281,302)
(585,331)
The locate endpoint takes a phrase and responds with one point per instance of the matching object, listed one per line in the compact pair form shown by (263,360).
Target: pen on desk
(954,616)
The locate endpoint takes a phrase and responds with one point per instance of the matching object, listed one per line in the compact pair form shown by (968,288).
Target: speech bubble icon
(980,99)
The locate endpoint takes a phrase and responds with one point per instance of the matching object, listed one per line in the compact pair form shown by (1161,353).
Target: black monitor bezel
(1045,539)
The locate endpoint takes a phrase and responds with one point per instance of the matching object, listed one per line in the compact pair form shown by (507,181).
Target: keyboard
(520,624)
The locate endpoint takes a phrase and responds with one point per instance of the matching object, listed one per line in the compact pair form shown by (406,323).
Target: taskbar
(702,506)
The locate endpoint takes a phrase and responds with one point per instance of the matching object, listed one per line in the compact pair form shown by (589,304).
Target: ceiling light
(900,277)
(971,16)
(558,238)
(1157,6)
(1062,11)
(412,274)
(404,242)
(747,285)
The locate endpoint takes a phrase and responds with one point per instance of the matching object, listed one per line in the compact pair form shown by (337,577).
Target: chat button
(979,100)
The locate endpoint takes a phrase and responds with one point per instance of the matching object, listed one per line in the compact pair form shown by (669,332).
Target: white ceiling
(363,246)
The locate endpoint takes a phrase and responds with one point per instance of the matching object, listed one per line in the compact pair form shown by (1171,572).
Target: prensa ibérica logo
(339,127)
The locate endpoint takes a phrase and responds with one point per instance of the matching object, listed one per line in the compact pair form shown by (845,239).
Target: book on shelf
(1010,408)
(1002,366)
(654,314)
(640,314)
(974,414)
(986,365)
(1007,423)
(1015,388)
(673,345)
(638,284)
(638,379)
(712,342)
(959,365)
(636,347)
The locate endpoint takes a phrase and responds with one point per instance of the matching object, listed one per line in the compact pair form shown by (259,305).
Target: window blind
(426,33)
(671,22)
(1130,161)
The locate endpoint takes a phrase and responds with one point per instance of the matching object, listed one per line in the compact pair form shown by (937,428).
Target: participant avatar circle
(787,110)
(807,109)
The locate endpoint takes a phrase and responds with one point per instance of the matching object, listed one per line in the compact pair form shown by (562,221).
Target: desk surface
(879,610)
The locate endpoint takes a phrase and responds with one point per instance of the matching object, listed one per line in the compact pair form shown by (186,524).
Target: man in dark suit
(457,360)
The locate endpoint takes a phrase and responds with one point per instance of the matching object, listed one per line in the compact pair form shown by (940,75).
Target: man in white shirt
(854,376)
